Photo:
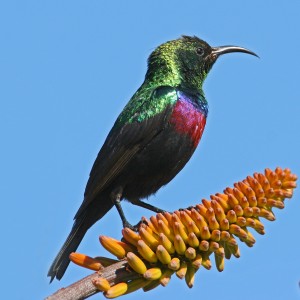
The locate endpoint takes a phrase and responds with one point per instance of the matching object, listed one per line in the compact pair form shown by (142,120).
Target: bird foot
(136,227)
(188,208)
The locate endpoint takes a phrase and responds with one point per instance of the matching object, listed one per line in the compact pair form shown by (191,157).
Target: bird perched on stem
(152,139)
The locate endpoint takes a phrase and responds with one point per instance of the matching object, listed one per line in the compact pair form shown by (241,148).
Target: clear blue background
(67,68)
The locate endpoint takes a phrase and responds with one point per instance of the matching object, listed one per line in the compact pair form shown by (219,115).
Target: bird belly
(164,157)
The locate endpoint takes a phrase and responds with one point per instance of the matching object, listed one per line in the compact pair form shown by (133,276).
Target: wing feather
(124,142)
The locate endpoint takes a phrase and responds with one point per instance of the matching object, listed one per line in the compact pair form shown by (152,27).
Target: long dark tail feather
(72,242)
(83,222)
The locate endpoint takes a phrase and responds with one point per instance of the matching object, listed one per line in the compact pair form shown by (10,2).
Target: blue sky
(67,68)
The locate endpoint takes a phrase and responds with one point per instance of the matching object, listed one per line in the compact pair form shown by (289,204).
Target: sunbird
(152,139)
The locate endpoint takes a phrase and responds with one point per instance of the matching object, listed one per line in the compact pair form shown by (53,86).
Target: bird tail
(82,223)
(72,242)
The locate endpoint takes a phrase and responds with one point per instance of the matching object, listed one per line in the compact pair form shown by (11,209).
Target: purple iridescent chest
(189,116)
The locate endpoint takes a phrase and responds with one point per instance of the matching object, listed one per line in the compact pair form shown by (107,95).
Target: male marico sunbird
(152,139)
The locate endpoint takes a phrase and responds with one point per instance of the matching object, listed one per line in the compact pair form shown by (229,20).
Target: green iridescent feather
(165,74)
(140,108)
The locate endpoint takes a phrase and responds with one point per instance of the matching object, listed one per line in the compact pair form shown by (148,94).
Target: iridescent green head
(185,62)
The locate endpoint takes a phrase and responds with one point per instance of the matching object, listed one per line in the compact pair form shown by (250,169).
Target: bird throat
(189,116)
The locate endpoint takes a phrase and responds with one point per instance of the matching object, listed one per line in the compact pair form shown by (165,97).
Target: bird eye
(200,51)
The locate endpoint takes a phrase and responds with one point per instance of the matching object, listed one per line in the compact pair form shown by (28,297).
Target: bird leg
(116,196)
(147,206)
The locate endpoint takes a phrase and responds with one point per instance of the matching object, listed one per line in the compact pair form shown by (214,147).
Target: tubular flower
(183,241)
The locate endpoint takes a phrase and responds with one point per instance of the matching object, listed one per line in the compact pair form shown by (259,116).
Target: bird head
(185,62)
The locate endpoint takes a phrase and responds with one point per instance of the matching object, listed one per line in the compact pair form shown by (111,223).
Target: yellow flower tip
(248,211)
(136,263)
(193,240)
(196,217)
(168,216)
(289,184)
(206,263)
(162,217)
(213,223)
(233,247)
(216,235)
(231,216)
(130,236)
(263,181)
(185,216)
(190,276)
(153,274)
(197,262)
(85,261)
(224,224)
(231,198)
(220,259)
(205,233)
(204,246)
(286,193)
(255,185)
(148,229)
(258,226)
(164,241)
(262,201)
(179,245)
(146,252)
(113,246)
(175,216)
(163,228)
(218,209)
(192,228)
(222,200)
(238,210)
(209,211)
(166,277)
(180,273)
(117,290)
(246,189)
(148,238)
(201,209)
(237,253)
(206,203)
(190,253)
(174,264)
(238,231)
(250,240)
(267,214)
(275,203)
(179,230)
(256,211)
(101,284)
(163,255)
(213,246)
(220,252)
(241,221)
(225,236)
(153,224)
(220,262)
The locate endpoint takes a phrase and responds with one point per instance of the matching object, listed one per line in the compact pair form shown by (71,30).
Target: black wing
(123,142)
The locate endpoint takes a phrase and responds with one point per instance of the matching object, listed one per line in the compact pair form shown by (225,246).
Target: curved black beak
(228,49)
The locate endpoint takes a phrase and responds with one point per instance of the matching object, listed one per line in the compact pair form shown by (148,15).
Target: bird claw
(136,227)
(188,208)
